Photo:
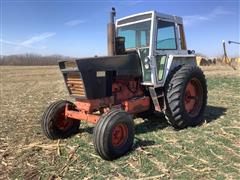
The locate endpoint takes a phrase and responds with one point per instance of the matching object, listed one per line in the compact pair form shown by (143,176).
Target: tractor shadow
(87,129)
(212,113)
(152,123)
(139,143)
(158,122)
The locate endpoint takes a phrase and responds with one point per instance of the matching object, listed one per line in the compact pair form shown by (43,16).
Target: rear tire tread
(176,87)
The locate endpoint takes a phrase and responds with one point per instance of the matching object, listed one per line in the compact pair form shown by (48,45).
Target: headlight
(146,60)
(147,66)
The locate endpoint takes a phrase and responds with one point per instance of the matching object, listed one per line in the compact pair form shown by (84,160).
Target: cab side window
(166,37)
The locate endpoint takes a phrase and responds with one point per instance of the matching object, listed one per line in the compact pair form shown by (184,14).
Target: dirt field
(209,151)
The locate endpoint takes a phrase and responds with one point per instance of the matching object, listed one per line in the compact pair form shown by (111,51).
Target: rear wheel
(54,123)
(114,134)
(186,97)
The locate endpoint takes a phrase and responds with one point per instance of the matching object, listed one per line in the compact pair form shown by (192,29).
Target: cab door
(166,43)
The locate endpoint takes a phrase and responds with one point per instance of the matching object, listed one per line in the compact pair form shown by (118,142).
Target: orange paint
(137,105)
(89,105)
(127,94)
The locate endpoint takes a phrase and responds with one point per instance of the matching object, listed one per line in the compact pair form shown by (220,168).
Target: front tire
(114,134)
(186,97)
(54,123)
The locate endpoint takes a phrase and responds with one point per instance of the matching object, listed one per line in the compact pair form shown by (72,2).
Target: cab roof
(148,15)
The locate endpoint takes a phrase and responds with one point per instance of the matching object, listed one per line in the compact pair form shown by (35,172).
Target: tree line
(31,60)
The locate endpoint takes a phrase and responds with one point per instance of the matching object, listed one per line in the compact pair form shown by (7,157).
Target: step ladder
(157,95)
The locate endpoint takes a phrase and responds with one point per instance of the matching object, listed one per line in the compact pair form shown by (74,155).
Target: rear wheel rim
(119,135)
(193,97)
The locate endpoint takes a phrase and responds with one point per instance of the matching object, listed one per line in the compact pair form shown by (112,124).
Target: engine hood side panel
(98,73)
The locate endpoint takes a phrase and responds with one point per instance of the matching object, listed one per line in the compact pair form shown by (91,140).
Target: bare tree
(31,60)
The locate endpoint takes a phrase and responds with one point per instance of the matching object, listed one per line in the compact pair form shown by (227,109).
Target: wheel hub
(193,97)
(63,123)
(119,135)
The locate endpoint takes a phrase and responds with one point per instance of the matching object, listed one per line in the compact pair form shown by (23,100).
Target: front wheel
(186,97)
(54,123)
(114,134)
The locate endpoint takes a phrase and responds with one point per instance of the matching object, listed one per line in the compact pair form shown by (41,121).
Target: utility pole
(234,42)
(226,60)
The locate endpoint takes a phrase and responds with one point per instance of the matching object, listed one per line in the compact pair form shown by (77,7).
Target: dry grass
(209,151)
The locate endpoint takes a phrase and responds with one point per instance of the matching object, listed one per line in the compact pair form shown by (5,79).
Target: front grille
(70,65)
(75,84)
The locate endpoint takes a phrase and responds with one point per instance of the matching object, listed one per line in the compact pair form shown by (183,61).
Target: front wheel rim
(62,122)
(193,97)
(119,135)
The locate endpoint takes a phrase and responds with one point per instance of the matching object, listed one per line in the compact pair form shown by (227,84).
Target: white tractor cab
(160,41)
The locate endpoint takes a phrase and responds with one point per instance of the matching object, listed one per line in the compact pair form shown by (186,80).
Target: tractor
(148,69)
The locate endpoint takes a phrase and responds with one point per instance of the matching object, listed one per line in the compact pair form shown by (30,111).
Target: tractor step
(157,96)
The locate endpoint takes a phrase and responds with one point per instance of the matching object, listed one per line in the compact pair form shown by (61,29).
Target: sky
(78,28)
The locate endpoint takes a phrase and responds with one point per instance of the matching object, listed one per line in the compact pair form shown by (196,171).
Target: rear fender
(174,61)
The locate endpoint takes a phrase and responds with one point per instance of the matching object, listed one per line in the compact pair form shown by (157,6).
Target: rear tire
(114,134)
(186,97)
(54,124)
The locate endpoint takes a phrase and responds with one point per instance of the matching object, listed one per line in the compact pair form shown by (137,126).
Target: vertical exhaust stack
(111,33)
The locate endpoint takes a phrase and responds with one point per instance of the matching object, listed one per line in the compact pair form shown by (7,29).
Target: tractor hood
(92,77)
(121,64)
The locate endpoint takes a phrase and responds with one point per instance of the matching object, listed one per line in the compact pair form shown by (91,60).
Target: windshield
(136,35)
